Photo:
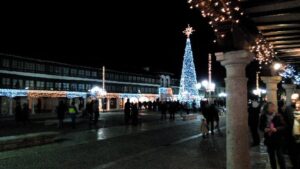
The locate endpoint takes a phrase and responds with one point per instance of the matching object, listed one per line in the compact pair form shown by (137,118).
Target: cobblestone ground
(155,145)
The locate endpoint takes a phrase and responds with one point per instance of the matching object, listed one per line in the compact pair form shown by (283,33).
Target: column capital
(289,86)
(271,79)
(234,57)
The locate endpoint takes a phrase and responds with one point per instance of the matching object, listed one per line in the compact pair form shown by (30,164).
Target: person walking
(18,113)
(203,128)
(96,112)
(253,120)
(273,126)
(163,109)
(135,114)
(25,114)
(61,110)
(127,112)
(73,111)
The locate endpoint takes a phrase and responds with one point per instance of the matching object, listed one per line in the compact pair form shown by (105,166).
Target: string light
(264,52)
(13,93)
(219,12)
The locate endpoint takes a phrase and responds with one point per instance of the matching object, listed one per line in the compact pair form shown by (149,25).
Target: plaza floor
(152,145)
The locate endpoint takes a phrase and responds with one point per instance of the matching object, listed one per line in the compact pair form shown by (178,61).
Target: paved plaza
(151,145)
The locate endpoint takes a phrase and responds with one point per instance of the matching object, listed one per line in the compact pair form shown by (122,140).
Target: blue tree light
(188,91)
(289,72)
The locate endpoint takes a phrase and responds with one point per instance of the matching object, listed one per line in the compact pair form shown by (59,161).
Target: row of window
(129,78)
(45,85)
(42,68)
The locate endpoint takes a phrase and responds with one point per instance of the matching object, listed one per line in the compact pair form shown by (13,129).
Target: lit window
(66,86)
(6,82)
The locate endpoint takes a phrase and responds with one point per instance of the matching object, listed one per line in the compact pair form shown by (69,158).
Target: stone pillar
(118,103)
(289,90)
(107,104)
(271,82)
(237,141)
(11,106)
(33,107)
(84,103)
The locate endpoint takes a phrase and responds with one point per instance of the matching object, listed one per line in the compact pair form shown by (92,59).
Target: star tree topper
(188,31)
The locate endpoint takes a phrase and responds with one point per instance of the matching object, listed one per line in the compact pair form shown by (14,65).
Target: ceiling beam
(278,26)
(286,42)
(287,46)
(290,17)
(273,6)
(286,37)
(275,33)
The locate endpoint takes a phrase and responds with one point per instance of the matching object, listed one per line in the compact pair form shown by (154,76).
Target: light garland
(46,93)
(71,95)
(219,13)
(13,93)
(263,50)
(188,91)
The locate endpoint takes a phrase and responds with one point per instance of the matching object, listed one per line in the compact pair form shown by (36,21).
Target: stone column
(11,106)
(271,82)
(289,90)
(237,142)
(107,104)
(118,103)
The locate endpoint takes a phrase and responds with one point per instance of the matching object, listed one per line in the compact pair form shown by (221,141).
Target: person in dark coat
(135,114)
(90,112)
(127,112)
(273,126)
(253,120)
(292,146)
(163,109)
(61,110)
(25,114)
(18,113)
(96,112)
(211,117)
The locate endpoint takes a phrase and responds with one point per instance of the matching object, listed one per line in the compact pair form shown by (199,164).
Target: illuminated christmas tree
(188,91)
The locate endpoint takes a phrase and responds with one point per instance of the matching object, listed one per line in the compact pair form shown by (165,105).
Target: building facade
(42,84)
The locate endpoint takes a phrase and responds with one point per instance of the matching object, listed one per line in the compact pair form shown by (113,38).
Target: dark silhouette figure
(18,113)
(163,109)
(61,110)
(135,114)
(96,112)
(25,114)
(127,112)
(273,126)
(73,111)
(253,120)
(292,146)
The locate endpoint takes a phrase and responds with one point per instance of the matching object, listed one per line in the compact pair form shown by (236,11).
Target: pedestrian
(127,112)
(273,126)
(135,114)
(253,120)
(211,118)
(18,113)
(96,112)
(292,118)
(25,114)
(203,128)
(60,110)
(89,109)
(163,109)
(73,111)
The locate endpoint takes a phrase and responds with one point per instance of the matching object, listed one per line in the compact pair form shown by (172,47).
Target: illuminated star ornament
(188,31)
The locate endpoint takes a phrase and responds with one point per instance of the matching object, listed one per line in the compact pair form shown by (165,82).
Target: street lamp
(277,66)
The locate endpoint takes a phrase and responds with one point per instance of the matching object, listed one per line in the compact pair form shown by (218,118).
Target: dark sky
(124,35)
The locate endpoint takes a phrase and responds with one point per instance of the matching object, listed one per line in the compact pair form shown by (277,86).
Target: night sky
(129,36)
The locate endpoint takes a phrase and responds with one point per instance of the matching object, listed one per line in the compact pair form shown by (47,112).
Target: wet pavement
(154,145)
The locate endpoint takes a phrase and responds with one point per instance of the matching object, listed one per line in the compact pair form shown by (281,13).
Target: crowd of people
(277,126)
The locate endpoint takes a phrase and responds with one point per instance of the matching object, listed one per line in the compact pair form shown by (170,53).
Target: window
(49,85)
(142,79)
(81,72)
(57,86)
(40,85)
(14,64)
(5,63)
(16,84)
(74,87)
(29,84)
(6,82)
(87,73)
(73,72)
(50,69)
(66,71)
(138,79)
(29,66)
(134,78)
(81,87)
(66,86)
(58,70)
(94,74)
(40,67)
(88,86)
